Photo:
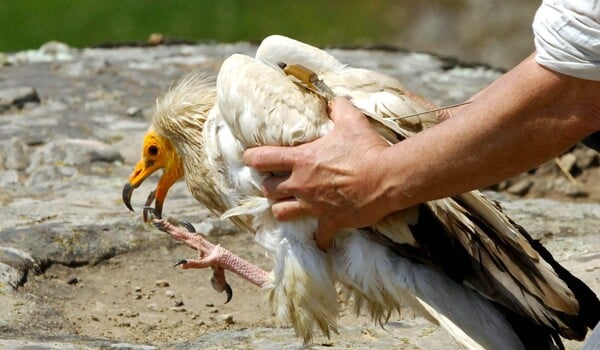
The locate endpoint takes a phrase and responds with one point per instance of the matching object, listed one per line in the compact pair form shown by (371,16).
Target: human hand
(336,179)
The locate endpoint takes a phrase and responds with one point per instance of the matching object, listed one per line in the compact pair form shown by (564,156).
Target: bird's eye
(153,151)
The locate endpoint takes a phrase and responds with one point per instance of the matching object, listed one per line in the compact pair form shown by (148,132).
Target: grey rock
(520,187)
(73,280)
(17,157)
(568,161)
(228,319)
(73,245)
(216,227)
(77,69)
(14,267)
(74,152)
(69,343)
(161,283)
(48,176)
(417,335)
(586,158)
(567,187)
(153,307)
(3,59)
(9,178)
(52,51)
(17,97)
(10,277)
(547,218)
(135,112)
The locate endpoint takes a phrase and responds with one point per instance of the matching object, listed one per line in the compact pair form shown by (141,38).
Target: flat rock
(17,97)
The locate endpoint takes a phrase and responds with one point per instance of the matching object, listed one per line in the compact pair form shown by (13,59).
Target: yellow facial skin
(157,153)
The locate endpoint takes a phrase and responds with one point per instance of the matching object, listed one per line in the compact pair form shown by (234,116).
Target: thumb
(341,109)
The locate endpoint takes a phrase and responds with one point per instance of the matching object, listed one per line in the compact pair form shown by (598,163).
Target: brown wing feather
(470,239)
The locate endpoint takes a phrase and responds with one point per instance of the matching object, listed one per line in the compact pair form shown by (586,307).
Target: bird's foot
(186,228)
(186,234)
(215,256)
(218,281)
(210,255)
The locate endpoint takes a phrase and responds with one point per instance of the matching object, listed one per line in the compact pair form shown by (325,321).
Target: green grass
(26,24)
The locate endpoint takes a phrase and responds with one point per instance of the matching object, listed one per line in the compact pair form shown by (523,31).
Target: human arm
(350,178)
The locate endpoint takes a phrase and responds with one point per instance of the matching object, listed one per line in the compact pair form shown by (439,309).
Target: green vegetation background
(26,24)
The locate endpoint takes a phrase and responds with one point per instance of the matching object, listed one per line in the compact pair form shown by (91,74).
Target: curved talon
(228,292)
(188,226)
(151,197)
(225,288)
(180,262)
(147,206)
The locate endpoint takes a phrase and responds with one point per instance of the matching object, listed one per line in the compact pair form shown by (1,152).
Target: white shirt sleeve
(567,37)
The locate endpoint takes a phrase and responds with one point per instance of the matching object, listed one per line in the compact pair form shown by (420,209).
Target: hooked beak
(141,172)
(127,192)
(144,169)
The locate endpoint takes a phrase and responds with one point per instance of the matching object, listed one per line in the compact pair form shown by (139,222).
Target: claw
(180,262)
(228,292)
(188,226)
(147,206)
(225,288)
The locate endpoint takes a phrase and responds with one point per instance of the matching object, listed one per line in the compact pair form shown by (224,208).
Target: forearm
(526,117)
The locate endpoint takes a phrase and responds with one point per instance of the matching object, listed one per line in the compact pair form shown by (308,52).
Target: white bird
(460,261)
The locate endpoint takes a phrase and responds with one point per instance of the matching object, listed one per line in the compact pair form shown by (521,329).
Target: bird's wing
(379,96)
(221,190)
(476,244)
(466,236)
(263,107)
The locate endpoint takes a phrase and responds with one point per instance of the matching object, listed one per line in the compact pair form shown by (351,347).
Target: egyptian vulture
(460,261)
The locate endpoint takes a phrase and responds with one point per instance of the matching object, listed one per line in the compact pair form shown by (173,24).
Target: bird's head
(157,153)
(174,141)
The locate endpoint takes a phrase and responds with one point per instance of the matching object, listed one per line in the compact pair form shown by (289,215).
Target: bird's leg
(212,255)
(218,281)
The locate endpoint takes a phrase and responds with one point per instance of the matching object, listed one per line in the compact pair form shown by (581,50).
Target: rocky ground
(78,271)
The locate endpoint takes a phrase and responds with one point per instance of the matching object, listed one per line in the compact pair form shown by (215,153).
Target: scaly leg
(215,256)
(218,281)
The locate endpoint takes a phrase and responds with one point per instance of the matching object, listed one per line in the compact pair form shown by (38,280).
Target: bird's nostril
(134,174)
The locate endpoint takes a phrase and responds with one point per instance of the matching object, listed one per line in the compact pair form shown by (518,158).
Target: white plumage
(459,261)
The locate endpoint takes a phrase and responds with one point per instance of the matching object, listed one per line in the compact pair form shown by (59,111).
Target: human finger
(270,158)
(289,209)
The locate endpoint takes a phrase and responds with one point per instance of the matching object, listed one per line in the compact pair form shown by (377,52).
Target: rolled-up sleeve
(567,37)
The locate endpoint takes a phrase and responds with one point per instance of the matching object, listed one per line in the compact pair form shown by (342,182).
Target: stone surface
(17,97)
(78,271)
